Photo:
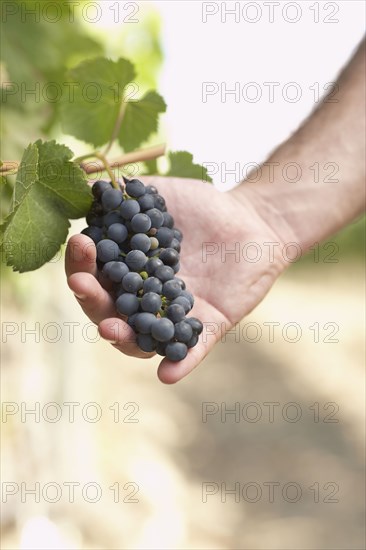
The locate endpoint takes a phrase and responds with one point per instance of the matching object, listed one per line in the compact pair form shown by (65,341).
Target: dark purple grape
(175,312)
(156,217)
(176,351)
(193,341)
(172,289)
(162,330)
(129,209)
(183,332)
(144,322)
(151,190)
(175,244)
(152,265)
(140,241)
(117,232)
(164,236)
(135,188)
(151,302)
(127,304)
(178,234)
(181,282)
(93,219)
(169,256)
(136,260)
(107,251)
(93,232)
(99,187)
(111,199)
(146,343)
(159,202)
(132,282)
(196,324)
(182,301)
(146,202)
(115,271)
(160,348)
(153,284)
(168,220)
(189,297)
(164,273)
(140,223)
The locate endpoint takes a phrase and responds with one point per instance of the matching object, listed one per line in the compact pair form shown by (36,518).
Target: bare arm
(334,133)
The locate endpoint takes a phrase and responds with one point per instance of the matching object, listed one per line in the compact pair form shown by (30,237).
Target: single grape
(175,244)
(159,202)
(189,296)
(117,232)
(95,233)
(169,256)
(156,217)
(146,343)
(136,260)
(129,209)
(176,351)
(154,253)
(153,284)
(181,282)
(135,188)
(115,271)
(151,190)
(152,265)
(140,241)
(99,187)
(176,268)
(160,348)
(196,324)
(164,236)
(154,243)
(175,312)
(151,302)
(171,289)
(178,234)
(141,223)
(182,301)
(162,330)
(193,341)
(132,282)
(183,332)
(127,304)
(146,202)
(107,250)
(111,218)
(111,199)
(93,219)
(164,273)
(131,321)
(144,322)
(168,220)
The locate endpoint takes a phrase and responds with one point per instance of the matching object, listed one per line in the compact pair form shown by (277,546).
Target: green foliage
(182,165)
(49,190)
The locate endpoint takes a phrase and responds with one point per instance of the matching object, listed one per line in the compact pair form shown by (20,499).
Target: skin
(264,210)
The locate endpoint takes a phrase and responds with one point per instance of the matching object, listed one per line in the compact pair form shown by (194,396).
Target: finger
(80,255)
(170,372)
(122,337)
(95,301)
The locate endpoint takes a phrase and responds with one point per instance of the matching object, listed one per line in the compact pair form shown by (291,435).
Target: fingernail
(79,296)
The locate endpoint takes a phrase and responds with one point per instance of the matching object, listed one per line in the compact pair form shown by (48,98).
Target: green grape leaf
(151,167)
(89,112)
(182,165)
(49,189)
(140,120)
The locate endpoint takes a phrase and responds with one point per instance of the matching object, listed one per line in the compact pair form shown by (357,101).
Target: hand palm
(226,285)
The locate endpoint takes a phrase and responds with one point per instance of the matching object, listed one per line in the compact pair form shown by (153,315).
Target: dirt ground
(262,447)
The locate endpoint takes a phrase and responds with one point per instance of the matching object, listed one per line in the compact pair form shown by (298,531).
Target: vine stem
(10,167)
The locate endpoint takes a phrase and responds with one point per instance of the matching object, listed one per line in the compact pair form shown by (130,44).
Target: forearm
(334,134)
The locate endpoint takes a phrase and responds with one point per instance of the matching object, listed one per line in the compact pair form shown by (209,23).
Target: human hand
(226,286)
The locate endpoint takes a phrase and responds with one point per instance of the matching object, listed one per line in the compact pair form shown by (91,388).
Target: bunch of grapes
(138,254)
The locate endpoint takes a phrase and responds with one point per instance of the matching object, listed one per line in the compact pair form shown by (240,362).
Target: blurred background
(262,447)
